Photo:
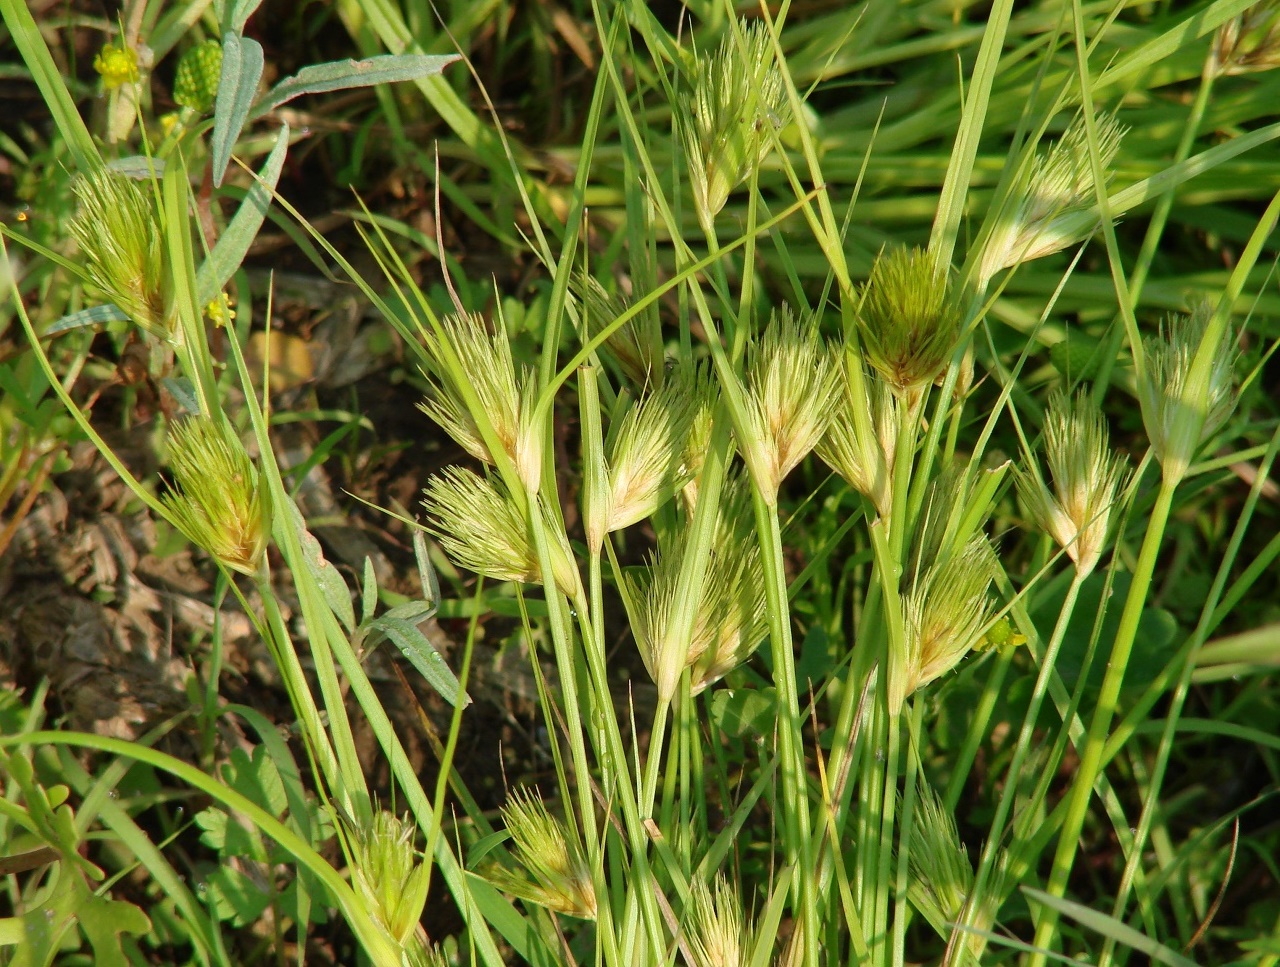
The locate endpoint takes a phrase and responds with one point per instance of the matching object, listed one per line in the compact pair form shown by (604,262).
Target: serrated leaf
(231,247)
(237,86)
(235,897)
(93,316)
(343,74)
(214,823)
(422,654)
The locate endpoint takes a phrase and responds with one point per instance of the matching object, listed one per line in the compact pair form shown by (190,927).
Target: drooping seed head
(485,529)
(558,876)
(117,228)
(792,382)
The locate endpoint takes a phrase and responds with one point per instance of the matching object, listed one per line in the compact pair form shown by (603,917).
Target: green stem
(975,942)
(901,910)
(794,777)
(1108,698)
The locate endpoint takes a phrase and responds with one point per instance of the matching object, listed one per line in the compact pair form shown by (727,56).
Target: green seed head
(558,876)
(792,385)
(484,529)
(1182,404)
(218,502)
(1250,42)
(195,85)
(1086,478)
(389,875)
(908,319)
(117,228)
(862,450)
(737,95)
(717,931)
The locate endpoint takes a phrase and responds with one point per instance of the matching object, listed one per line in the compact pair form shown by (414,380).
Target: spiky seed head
(118,230)
(419,953)
(1250,42)
(863,457)
(729,621)
(484,528)
(944,615)
(218,502)
(706,394)
(1055,201)
(505,397)
(389,875)
(117,64)
(941,874)
(646,465)
(558,877)
(716,928)
(736,95)
(195,83)
(792,382)
(636,346)
(1086,478)
(1180,407)
(908,319)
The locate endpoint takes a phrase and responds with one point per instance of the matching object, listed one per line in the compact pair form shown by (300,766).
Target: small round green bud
(196,83)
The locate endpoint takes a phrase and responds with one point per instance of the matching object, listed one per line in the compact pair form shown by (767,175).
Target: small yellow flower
(117,65)
(219,311)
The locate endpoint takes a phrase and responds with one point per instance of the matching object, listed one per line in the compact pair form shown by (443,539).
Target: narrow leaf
(342,74)
(419,650)
(93,316)
(237,86)
(1111,927)
(230,250)
(335,589)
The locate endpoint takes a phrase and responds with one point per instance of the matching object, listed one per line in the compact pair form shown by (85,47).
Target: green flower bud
(195,85)
(117,65)
(390,877)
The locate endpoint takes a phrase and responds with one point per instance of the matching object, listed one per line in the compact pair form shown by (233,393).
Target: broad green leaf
(230,250)
(744,712)
(104,920)
(418,649)
(238,85)
(339,75)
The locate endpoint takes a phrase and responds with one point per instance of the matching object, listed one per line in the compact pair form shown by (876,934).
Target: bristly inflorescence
(219,503)
(1183,406)
(735,97)
(909,320)
(1050,205)
(504,396)
(1086,475)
